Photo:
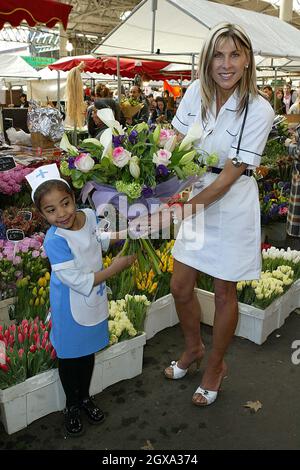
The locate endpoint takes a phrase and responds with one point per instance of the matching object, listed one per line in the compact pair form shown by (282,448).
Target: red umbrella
(47,12)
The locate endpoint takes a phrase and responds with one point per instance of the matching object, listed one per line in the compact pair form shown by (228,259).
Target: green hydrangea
(191,169)
(64,168)
(133,190)
(211,160)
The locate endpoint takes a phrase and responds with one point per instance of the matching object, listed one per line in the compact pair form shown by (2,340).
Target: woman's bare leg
(226,318)
(188,310)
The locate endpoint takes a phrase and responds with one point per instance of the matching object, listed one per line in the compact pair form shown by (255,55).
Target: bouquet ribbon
(106,194)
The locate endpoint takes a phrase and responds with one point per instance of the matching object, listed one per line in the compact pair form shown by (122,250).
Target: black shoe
(94,414)
(73,422)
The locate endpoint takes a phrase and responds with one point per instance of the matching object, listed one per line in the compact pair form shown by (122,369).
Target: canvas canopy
(182,25)
(13,66)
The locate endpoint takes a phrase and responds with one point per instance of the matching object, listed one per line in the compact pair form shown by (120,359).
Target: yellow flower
(41,290)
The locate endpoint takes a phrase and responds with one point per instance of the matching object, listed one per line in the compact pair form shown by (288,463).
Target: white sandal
(209,395)
(178,373)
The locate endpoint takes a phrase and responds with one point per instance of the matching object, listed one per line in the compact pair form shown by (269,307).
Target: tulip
(53,354)
(20,353)
(4,367)
(33,348)
(21,338)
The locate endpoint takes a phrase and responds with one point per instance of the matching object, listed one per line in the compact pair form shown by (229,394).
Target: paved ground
(150,411)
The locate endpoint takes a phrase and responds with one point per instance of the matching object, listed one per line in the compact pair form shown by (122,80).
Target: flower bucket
(161,314)
(254,323)
(276,233)
(23,403)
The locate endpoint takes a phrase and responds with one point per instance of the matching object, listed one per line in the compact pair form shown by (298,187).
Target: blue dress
(79,311)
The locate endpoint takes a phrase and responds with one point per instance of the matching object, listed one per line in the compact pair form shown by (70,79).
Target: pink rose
(121,157)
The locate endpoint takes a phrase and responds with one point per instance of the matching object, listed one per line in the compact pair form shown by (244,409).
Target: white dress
(224,239)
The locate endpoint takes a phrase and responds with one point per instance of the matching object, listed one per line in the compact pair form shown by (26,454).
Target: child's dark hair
(48,186)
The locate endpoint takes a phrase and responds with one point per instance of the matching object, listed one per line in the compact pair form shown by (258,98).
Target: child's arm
(118,264)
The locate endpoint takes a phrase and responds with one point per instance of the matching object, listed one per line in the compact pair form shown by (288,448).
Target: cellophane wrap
(47,121)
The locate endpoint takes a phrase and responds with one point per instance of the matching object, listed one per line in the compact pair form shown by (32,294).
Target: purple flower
(118,140)
(71,163)
(133,137)
(147,192)
(162,170)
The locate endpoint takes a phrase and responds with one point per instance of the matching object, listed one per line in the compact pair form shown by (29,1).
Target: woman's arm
(219,187)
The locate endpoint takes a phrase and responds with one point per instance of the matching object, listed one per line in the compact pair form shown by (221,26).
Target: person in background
(293,216)
(295,107)
(23,100)
(151,103)
(161,114)
(102,100)
(143,115)
(287,97)
(78,295)
(170,103)
(268,91)
(279,104)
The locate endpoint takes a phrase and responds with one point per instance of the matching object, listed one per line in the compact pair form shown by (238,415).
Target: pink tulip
(4,367)
(20,353)
(33,348)
(53,354)
(21,338)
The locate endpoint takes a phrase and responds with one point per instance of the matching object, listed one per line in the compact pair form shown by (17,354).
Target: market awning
(148,69)
(46,12)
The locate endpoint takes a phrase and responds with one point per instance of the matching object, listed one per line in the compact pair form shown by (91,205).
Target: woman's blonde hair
(247,84)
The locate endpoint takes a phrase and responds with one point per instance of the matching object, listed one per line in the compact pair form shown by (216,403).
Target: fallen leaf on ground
(253,405)
(148,446)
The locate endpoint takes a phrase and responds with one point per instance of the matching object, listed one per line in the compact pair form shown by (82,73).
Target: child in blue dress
(78,297)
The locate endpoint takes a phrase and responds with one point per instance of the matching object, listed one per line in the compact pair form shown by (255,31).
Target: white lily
(134,167)
(67,147)
(106,141)
(194,133)
(107,116)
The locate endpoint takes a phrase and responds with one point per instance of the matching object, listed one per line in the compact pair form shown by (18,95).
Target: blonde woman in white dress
(236,121)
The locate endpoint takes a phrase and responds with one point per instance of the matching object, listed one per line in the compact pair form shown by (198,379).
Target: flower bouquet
(130,107)
(274,201)
(134,171)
